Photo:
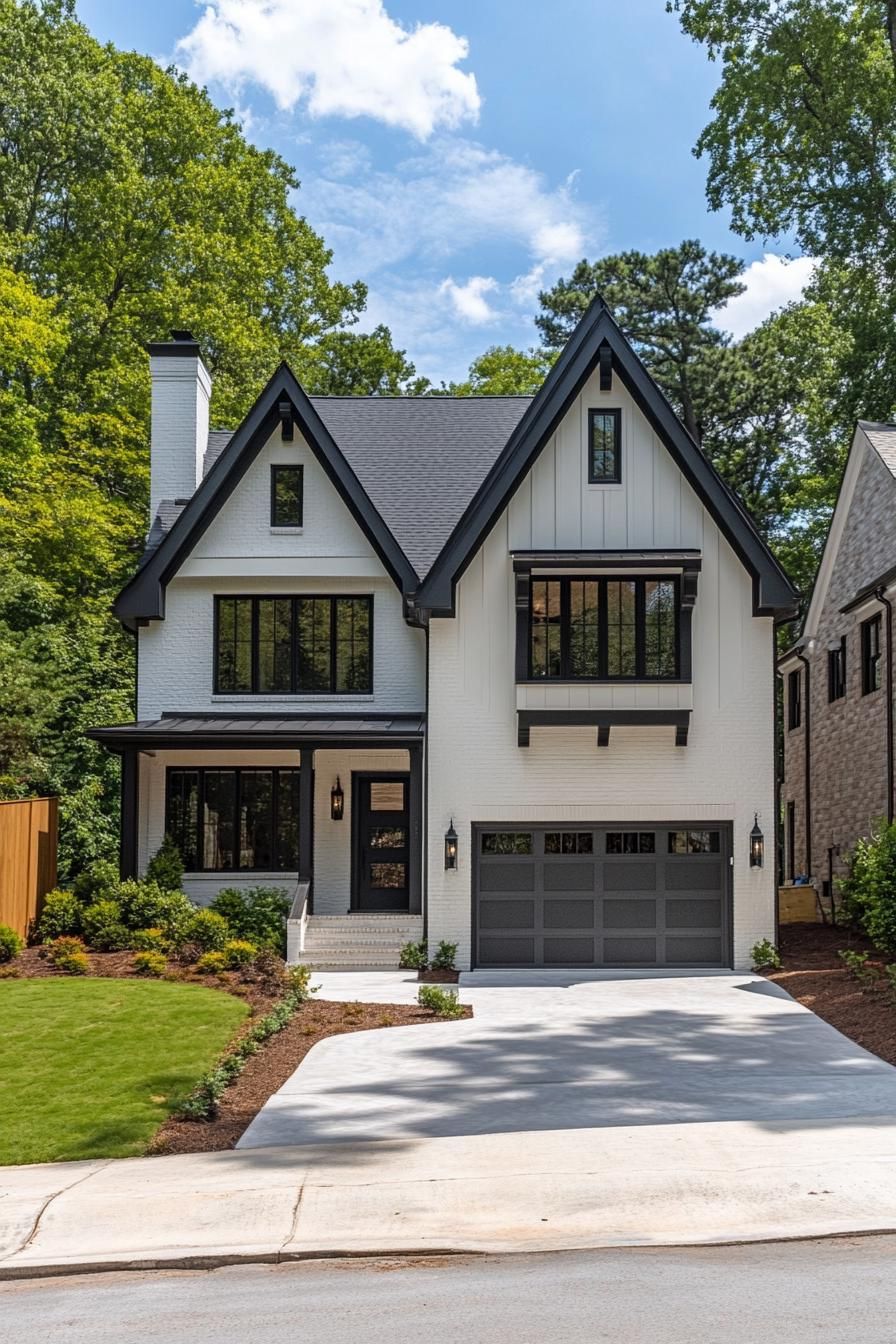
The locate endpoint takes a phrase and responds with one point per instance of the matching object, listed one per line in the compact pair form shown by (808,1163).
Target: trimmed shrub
(211,963)
(103,927)
(764,956)
(442,1002)
(869,892)
(10,943)
(207,930)
(166,867)
(444,957)
(149,940)
(98,882)
(298,983)
(144,905)
(238,953)
(413,957)
(68,955)
(149,963)
(8,971)
(60,917)
(857,966)
(257,914)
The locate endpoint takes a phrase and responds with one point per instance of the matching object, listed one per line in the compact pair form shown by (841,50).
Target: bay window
(604,629)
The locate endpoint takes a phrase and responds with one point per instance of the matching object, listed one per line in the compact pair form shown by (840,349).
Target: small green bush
(98,882)
(60,917)
(298,983)
(444,957)
(211,963)
(890,975)
(8,971)
(869,891)
(764,956)
(149,940)
(103,928)
(257,914)
(10,943)
(144,905)
(413,957)
(238,953)
(207,930)
(856,964)
(149,963)
(442,1002)
(166,867)
(68,955)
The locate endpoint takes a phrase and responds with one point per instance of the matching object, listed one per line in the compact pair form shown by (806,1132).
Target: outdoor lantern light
(337,801)
(451,846)
(757,844)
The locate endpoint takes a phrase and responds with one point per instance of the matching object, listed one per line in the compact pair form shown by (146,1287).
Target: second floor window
(871,655)
(293,645)
(286,496)
(603,629)
(837,671)
(794,699)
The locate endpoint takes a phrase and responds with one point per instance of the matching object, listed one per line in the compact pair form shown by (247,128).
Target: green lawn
(91,1068)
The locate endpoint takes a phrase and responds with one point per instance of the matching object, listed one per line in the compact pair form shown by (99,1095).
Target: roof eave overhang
(143,599)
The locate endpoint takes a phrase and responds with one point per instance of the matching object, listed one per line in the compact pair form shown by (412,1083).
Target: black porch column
(130,798)
(306,820)
(415,826)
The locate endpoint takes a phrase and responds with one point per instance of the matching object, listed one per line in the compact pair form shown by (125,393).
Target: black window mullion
(331,689)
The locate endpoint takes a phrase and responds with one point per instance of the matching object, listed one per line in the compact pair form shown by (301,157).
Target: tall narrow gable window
(871,655)
(794,699)
(287,496)
(604,447)
(604,629)
(837,671)
(294,645)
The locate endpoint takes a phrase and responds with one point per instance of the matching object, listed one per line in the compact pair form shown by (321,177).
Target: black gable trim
(773,593)
(144,597)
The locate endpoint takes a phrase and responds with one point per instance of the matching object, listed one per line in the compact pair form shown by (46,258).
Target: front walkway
(552,1051)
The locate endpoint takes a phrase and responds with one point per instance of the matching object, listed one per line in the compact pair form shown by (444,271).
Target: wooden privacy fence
(28,835)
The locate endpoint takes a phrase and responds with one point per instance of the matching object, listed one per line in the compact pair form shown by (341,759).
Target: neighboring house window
(604,447)
(234,820)
(871,655)
(791,841)
(603,629)
(286,496)
(794,699)
(837,671)
(293,645)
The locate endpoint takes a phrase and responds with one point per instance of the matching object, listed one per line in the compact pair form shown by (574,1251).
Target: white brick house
(545,626)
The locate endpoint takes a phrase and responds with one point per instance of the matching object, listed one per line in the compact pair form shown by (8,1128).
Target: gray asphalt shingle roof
(883,439)
(420,459)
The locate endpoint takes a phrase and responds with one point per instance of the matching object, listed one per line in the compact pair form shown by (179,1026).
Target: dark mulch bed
(269,1069)
(814,975)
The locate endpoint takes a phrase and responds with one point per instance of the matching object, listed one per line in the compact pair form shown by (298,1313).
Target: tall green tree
(502,371)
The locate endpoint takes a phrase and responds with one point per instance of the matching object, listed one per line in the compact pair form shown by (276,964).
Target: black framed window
(234,820)
(837,671)
(791,840)
(871,655)
(287,496)
(293,645)
(604,447)
(794,699)
(604,629)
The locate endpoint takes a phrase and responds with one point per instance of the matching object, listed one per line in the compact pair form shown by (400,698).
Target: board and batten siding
(477,773)
(240,553)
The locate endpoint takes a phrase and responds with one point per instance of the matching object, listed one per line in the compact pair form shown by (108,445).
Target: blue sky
(458,156)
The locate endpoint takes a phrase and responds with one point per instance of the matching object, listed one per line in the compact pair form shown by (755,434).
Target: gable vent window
(871,655)
(604,629)
(794,699)
(293,645)
(837,671)
(604,447)
(287,496)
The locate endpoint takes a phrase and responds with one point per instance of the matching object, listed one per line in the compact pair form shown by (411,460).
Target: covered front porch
(328,807)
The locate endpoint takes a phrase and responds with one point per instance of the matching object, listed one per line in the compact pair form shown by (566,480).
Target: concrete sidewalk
(648,1185)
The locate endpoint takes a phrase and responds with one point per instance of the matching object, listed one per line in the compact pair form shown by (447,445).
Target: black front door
(382,851)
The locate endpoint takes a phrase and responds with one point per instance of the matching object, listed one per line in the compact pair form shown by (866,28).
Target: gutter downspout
(807,767)
(881,597)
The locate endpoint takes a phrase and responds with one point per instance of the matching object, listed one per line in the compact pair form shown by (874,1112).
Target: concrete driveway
(548,1051)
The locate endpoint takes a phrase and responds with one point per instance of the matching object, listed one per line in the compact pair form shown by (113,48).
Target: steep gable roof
(773,593)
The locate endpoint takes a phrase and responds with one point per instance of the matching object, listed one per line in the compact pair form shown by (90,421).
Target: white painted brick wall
(181,389)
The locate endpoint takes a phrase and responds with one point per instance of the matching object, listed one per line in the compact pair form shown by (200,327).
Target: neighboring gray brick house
(838,689)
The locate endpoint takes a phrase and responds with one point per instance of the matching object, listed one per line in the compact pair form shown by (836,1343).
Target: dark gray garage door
(589,895)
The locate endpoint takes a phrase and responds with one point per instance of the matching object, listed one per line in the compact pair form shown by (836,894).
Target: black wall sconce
(451,846)
(757,844)
(337,801)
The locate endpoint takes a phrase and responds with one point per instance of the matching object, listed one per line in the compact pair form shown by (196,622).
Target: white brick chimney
(181,390)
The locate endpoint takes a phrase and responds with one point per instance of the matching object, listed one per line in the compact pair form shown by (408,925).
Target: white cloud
(469,301)
(770,284)
(347,58)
